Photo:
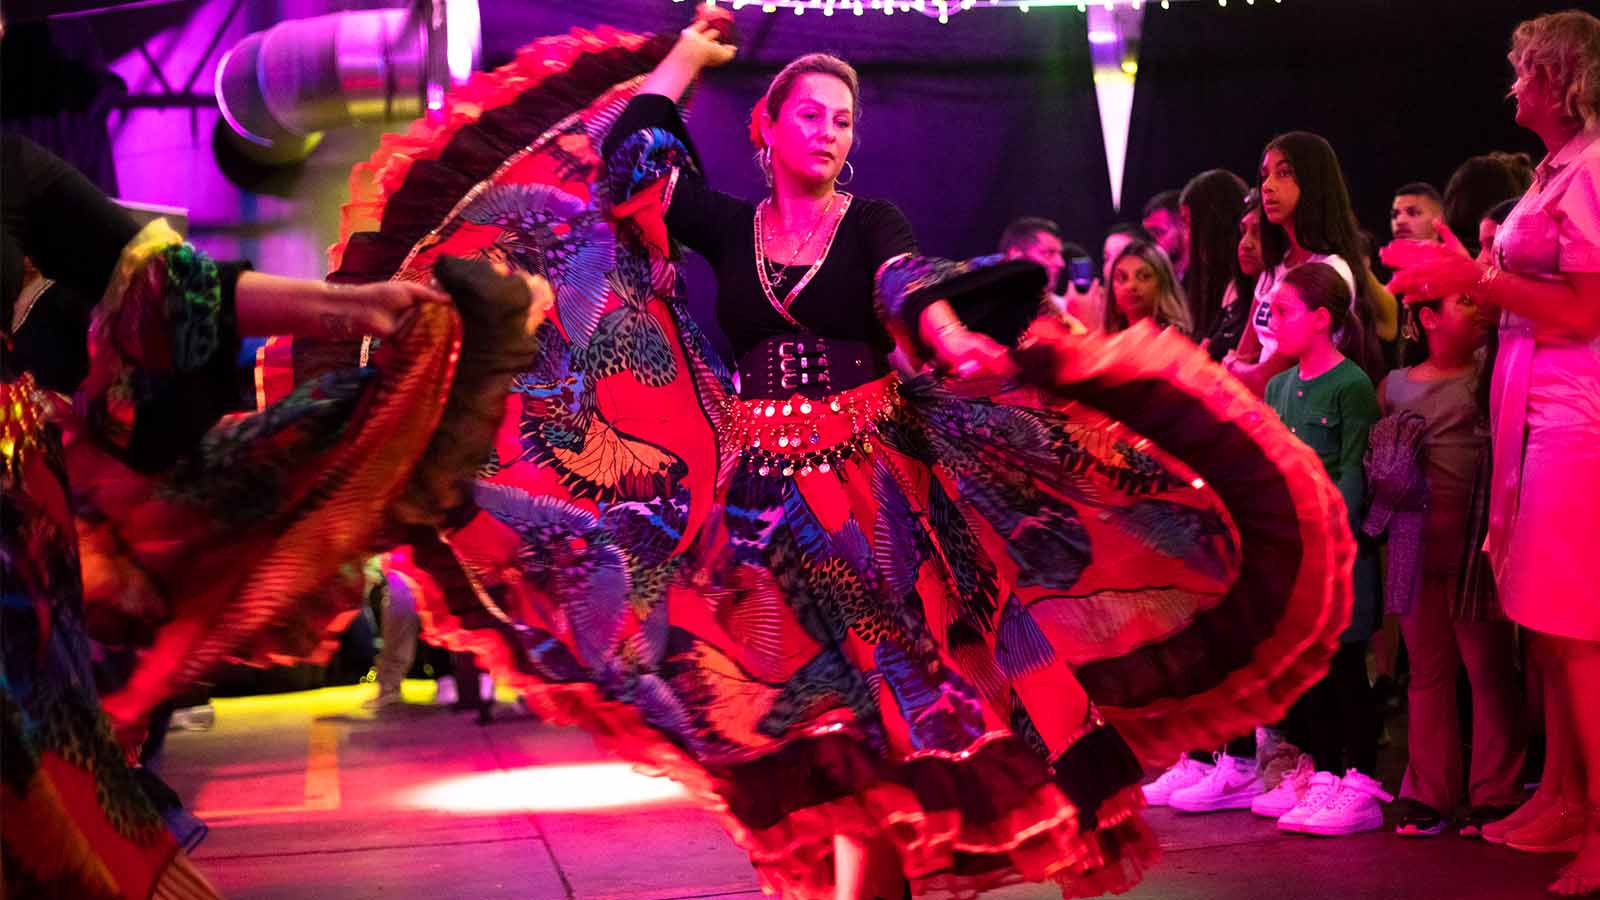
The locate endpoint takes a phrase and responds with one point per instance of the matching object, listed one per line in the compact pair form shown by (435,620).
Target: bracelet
(1485,282)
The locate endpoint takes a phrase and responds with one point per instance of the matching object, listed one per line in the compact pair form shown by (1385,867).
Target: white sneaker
(1184,773)
(1231,784)
(1291,787)
(444,690)
(1353,809)
(1317,794)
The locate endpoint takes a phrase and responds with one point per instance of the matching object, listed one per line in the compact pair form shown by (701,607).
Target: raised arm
(705,44)
(653,173)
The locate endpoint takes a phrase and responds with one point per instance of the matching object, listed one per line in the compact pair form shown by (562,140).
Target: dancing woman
(885,629)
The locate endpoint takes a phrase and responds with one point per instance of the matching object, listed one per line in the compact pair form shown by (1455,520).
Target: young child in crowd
(1329,403)
(1446,621)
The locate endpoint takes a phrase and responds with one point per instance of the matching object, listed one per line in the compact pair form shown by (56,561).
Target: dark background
(1403,91)
(970,124)
(993,116)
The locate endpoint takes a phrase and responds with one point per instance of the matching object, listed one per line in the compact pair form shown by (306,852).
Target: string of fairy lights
(944,9)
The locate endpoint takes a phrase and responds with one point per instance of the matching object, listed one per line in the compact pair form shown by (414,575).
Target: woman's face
(1250,262)
(1110,249)
(1134,287)
(814,129)
(1280,192)
(1487,229)
(1537,101)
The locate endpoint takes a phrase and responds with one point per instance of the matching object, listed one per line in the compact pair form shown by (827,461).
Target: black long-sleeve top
(838,301)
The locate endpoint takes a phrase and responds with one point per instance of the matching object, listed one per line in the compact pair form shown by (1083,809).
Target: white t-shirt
(1268,282)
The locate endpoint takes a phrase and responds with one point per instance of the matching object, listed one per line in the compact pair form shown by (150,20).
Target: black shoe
(1472,825)
(1419,820)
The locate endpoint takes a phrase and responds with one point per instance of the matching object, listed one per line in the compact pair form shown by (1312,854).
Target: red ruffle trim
(1039,840)
(1297,653)
(374,181)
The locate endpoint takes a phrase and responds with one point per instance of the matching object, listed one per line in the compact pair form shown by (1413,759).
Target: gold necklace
(768,280)
(778,271)
(806,242)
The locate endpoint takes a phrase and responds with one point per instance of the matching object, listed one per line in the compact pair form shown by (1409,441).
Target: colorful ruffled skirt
(955,624)
(247,547)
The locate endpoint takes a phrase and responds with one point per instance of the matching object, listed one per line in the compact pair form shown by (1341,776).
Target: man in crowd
(1412,214)
(1163,218)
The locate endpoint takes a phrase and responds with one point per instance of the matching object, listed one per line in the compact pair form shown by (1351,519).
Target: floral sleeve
(655,182)
(162,348)
(990,294)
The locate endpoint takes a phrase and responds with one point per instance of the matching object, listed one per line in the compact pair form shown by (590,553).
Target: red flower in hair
(755,124)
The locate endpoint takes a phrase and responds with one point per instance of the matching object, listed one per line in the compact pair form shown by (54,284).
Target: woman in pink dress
(1545,276)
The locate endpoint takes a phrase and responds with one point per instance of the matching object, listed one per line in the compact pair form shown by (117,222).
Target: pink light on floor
(571,788)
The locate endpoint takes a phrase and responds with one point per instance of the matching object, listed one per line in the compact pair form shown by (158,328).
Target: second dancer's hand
(376,309)
(272,304)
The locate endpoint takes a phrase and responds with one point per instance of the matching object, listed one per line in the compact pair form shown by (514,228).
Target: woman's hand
(1425,270)
(377,309)
(1253,375)
(708,42)
(966,354)
(543,299)
(969,354)
(271,304)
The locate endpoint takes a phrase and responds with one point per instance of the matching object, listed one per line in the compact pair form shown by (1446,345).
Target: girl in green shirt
(1328,402)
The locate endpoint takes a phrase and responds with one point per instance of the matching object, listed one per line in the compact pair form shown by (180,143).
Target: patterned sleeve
(655,181)
(162,346)
(991,295)
(1577,215)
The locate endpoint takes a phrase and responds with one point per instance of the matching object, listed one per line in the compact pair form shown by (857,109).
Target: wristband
(1485,282)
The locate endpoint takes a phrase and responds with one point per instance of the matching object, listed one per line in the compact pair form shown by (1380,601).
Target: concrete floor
(308,796)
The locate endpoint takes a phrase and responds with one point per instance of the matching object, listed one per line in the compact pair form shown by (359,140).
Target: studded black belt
(807,365)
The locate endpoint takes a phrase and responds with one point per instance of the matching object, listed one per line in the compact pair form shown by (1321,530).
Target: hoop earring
(841,182)
(764,163)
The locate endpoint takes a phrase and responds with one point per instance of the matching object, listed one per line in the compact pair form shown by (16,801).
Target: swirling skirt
(956,624)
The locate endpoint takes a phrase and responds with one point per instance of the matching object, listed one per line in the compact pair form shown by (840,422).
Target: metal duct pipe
(280,88)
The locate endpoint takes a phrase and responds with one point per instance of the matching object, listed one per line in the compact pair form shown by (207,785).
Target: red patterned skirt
(956,624)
